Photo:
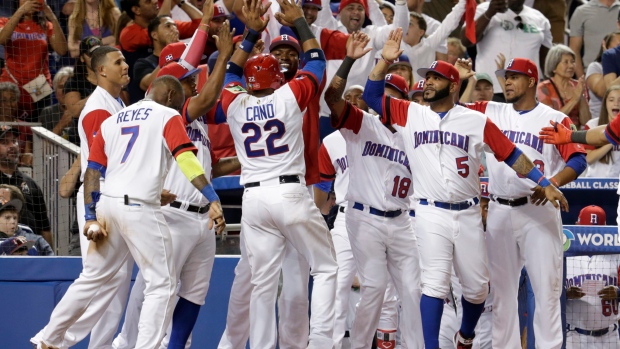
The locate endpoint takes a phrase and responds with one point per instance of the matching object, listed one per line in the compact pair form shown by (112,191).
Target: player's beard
(439,94)
(515,98)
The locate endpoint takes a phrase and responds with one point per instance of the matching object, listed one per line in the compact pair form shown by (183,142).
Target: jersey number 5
(272,149)
(134,131)
(462,167)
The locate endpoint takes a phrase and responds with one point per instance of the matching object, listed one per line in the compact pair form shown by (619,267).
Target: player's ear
(454,87)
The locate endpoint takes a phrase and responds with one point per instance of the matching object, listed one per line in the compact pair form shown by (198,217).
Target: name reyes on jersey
(139,114)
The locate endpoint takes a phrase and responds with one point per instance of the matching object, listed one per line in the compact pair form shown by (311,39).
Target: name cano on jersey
(260,112)
(386,152)
(441,137)
(578,280)
(139,114)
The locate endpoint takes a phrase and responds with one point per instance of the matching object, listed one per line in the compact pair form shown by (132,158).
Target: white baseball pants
(137,230)
(274,213)
(381,246)
(193,247)
(532,236)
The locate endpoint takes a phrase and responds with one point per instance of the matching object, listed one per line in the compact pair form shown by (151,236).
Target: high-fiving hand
(391,50)
(254,13)
(556,134)
(356,45)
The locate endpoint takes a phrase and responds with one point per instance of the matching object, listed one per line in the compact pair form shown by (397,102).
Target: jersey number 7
(134,131)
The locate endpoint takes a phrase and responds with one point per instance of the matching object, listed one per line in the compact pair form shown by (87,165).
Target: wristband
(247,46)
(210,193)
(91,213)
(252,36)
(304,30)
(485,16)
(386,61)
(554,182)
(345,68)
(579,137)
(537,177)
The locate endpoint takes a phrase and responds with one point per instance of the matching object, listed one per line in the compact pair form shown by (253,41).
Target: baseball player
(293,301)
(377,219)
(416,94)
(592,294)
(137,142)
(520,233)
(111,69)
(185,216)
(266,124)
(334,168)
(444,146)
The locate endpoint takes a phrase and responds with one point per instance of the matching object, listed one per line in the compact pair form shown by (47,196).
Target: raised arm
(210,92)
(253,11)
(373,93)
(401,20)
(333,95)
(483,20)
(58,41)
(449,23)
(598,136)
(192,11)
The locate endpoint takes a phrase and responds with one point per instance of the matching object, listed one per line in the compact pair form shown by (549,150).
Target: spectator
(134,39)
(50,116)
(611,64)
(592,294)
(12,201)
(421,49)
(402,67)
(179,15)
(605,161)
(220,15)
(432,25)
(96,18)
(555,11)
(456,50)
(16,246)
(594,75)
(483,90)
(162,31)
(34,214)
(9,94)
(78,88)
(562,92)
(388,11)
(515,31)
(25,37)
(588,26)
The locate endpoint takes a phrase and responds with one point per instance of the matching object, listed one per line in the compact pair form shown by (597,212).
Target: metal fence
(53,157)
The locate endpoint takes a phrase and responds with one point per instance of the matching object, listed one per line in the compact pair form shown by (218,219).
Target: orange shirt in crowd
(133,37)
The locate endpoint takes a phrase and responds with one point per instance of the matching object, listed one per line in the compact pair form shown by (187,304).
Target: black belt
(593,333)
(282,180)
(191,208)
(454,206)
(376,212)
(510,202)
(341,209)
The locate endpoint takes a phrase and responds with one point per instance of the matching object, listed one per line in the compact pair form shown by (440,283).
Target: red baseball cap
(171,53)
(345,3)
(220,11)
(418,87)
(592,215)
(178,71)
(442,68)
(315,3)
(398,82)
(521,66)
(285,39)
(237,38)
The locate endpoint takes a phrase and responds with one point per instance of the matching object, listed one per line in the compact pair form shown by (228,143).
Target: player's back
(336,148)
(268,134)
(99,106)
(137,145)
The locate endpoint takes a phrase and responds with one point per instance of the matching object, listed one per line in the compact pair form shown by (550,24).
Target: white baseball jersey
(522,129)
(601,169)
(141,138)
(99,106)
(334,165)
(445,150)
(176,182)
(591,274)
(268,130)
(380,174)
